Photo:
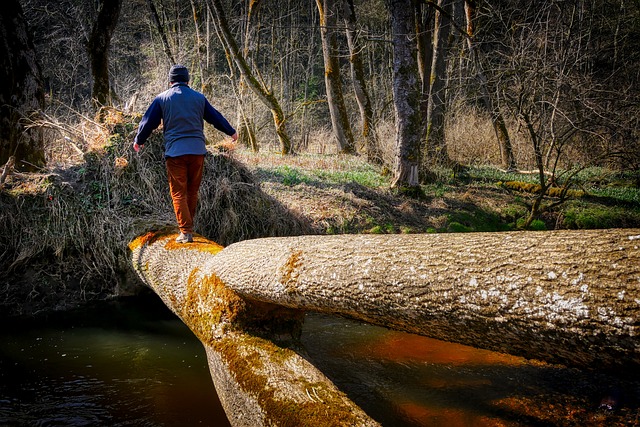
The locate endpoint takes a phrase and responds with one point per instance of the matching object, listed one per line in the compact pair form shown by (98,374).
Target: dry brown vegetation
(65,230)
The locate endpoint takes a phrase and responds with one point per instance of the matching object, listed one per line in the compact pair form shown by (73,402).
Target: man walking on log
(182,111)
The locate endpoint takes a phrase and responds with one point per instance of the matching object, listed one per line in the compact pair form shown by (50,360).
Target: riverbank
(65,230)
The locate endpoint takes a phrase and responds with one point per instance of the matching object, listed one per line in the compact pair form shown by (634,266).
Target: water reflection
(133,363)
(125,364)
(406,380)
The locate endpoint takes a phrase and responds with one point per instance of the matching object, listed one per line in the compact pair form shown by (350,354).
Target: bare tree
(264,93)
(497,119)
(21,94)
(424,33)
(406,97)
(551,87)
(98,48)
(247,128)
(197,58)
(360,84)
(337,109)
(161,31)
(436,151)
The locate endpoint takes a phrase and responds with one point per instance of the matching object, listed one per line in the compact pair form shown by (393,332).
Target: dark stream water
(132,363)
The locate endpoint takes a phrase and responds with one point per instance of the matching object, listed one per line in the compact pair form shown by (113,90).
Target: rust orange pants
(185,175)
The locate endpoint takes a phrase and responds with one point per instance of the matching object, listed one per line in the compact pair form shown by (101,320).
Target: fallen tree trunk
(569,297)
(260,379)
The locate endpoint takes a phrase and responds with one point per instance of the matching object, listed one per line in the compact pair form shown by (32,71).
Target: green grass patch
(386,229)
(622,194)
(536,224)
(591,217)
(603,176)
(365,175)
(291,176)
(438,189)
(481,221)
(491,174)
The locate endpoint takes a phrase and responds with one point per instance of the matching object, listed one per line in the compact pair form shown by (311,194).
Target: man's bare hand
(137,147)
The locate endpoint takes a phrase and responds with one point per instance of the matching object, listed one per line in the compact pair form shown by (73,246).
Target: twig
(8,167)
(73,145)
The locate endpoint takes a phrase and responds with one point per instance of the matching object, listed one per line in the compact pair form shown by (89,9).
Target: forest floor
(345,194)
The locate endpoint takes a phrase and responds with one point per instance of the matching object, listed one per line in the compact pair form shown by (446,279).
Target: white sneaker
(184,238)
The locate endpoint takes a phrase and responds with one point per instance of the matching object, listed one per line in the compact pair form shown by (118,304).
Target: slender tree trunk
(436,108)
(327,11)
(177,29)
(424,25)
(98,48)
(247,126)
(536,207)
(21,92)
(310,49)
(497,120)
(359,85)
(263,93)
(161,31)
(502,135)
(406,96)
(198,55)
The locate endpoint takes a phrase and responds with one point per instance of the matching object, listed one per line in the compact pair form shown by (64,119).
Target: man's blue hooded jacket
(181,110)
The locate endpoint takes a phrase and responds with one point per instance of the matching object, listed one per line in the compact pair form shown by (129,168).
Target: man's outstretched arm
(150,121)
(214,117)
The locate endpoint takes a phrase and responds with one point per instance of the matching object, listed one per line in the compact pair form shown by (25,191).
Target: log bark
(569,297)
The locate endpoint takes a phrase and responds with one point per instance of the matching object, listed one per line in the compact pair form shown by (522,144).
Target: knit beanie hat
(179,73)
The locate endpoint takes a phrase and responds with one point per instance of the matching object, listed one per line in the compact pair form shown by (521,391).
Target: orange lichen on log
(289,274)
(210,307)
(145,239)
(199,243)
